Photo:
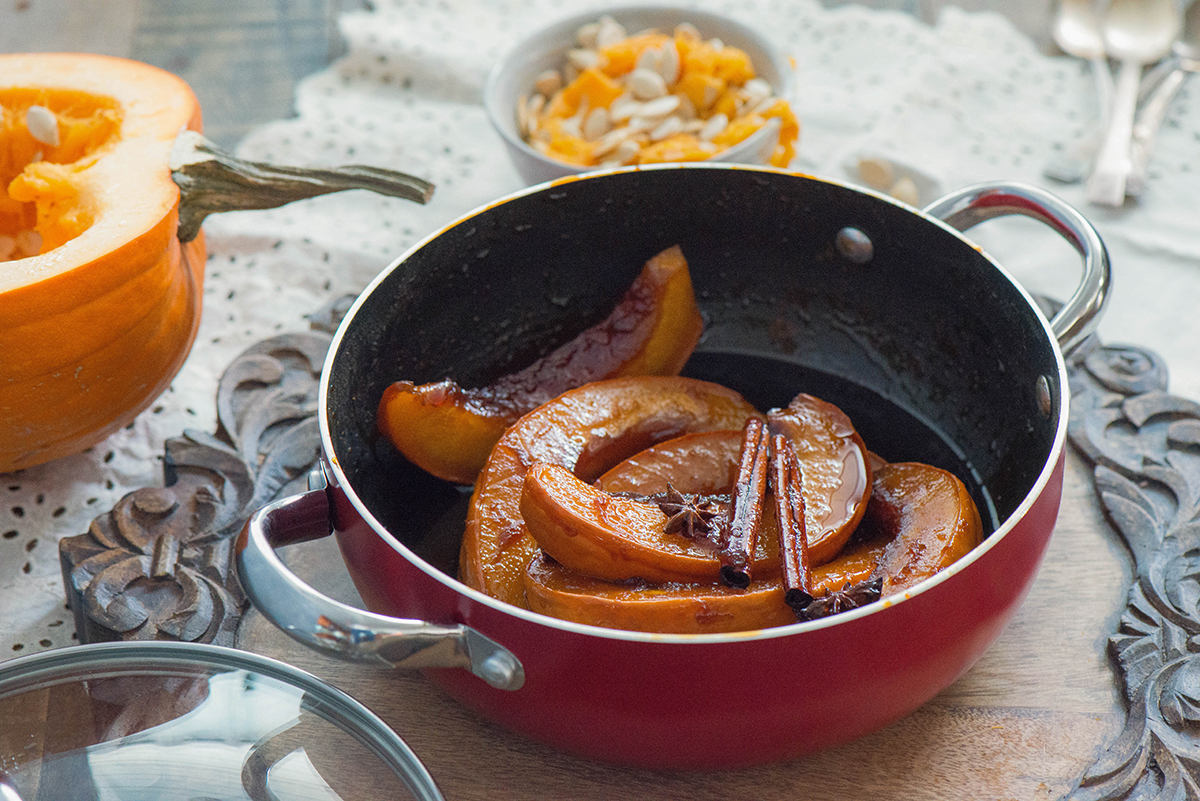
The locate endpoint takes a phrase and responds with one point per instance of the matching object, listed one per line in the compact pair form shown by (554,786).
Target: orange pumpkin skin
(94,327)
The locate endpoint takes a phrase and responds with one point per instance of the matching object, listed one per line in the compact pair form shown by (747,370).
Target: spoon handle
(1107,183)
(1146,127)
(1104,87)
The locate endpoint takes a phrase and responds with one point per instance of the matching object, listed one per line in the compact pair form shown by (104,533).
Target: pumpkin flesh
(96,324)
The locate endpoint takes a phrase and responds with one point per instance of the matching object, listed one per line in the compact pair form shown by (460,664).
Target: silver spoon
(1185,60)
(1076,31)
(1138,32)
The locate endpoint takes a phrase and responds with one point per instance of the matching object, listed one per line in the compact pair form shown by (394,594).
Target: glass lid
(131,721)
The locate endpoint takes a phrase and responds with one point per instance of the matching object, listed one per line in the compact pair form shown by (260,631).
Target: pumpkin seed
(586,35)
(876,173)
(649,59)
(640,124)
(713,126)
(572,126)
(660,106)
(548,82)
(624,107)
(669,63)
(686,109)
(627,151)
(668,127)
(905,191)
(582,59)
(611,141)
(29,243)
(646,84)
(523,119)
(596,124)
(757,89)
(610,32)
(42,125)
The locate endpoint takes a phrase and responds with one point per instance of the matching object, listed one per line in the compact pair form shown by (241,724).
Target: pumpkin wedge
(704,463)
(835,467)
(96,320)
(617,538)
(697,608)
(449,431)
(928,519)
(586,430)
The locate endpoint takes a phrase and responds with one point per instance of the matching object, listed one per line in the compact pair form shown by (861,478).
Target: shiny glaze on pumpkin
(835,467)
(449,430)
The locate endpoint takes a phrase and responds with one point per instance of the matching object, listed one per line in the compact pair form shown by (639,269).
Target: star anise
(850,596)
(693,516)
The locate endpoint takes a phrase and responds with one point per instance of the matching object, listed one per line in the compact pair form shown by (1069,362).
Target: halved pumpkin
(104,182)
(95,325)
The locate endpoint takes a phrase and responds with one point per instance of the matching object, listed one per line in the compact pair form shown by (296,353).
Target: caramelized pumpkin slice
(704,463)
(701,608)
(929,518)
(617,538)
(920,520)
(677,608)
(835,468)
(449,430)
(586,430)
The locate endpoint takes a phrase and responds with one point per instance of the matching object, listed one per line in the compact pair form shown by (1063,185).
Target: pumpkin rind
(93,330)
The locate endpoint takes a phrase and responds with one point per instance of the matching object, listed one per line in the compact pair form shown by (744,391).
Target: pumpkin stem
(211,180)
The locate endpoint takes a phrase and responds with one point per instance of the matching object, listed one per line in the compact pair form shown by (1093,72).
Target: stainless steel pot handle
(342,631)
(1081,313)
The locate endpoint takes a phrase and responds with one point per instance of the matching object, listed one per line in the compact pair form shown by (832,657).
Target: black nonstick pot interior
(931,350)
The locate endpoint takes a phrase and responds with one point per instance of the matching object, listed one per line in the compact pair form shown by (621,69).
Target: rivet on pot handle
(973,204)
(343,631)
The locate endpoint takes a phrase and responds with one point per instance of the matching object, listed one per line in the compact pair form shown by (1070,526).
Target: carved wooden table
(1092,693)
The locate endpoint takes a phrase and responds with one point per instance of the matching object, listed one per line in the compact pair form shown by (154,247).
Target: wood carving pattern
(1145,445)
(159,565)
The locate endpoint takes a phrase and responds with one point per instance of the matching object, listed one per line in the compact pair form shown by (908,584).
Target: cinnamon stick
(786,485)
(745,512)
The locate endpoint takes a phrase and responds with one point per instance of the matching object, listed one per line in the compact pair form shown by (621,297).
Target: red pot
(806,285)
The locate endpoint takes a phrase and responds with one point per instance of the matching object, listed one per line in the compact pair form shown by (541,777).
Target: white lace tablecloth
(968,99)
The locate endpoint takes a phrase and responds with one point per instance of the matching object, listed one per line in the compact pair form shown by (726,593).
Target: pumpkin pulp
(94,325)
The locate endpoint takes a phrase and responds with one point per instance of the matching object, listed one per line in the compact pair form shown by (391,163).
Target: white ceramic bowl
(514,74)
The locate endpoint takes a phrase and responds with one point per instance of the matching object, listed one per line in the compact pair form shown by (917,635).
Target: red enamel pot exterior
(868,291)
(728,703)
